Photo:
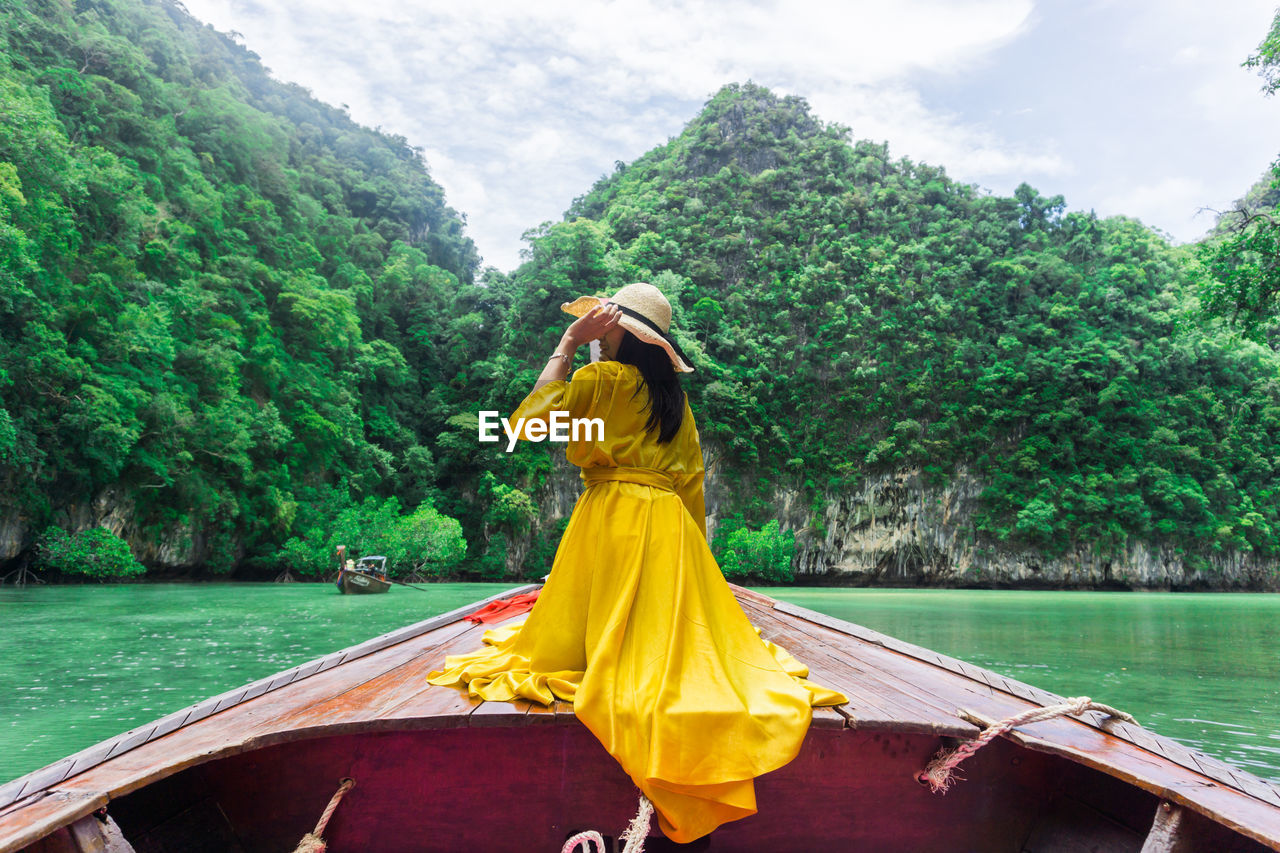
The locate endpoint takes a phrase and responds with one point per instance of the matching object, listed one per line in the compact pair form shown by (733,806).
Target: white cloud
(520,106)
(896,114)
(528,76)
(1188,54)
(543,146)
(1170,203)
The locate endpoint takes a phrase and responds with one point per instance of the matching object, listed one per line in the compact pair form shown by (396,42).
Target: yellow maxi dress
(638,628)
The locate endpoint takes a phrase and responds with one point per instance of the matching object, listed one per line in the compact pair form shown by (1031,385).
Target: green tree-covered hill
(235,327)
(855,315)
(222,303)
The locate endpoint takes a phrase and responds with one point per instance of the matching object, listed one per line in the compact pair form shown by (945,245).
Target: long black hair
(666,397)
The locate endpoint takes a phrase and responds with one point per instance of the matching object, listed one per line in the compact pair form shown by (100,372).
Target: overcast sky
(1132,107)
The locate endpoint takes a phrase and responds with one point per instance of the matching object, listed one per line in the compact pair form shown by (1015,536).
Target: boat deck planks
(44,812)
(876,698)
(381,685)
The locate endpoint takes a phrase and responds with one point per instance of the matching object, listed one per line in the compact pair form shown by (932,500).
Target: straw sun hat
(646,313)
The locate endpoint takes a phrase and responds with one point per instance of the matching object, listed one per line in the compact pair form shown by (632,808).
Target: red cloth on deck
(504,608)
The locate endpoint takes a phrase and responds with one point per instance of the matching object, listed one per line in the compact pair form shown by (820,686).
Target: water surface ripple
(1203,668)
(85,663)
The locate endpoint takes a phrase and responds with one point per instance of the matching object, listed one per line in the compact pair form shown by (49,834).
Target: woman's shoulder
(604,370)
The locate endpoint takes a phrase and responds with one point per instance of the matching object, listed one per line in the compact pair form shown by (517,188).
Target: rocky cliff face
(180,547)
(896,530)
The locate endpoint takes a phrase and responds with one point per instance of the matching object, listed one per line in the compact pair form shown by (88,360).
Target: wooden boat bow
(368,711)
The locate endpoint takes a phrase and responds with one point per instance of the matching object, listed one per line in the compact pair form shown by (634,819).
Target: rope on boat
(312,842)
(589,840)
(638,830)
(635,833)
(940,773)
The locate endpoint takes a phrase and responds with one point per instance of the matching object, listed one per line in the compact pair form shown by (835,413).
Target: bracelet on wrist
(568,359)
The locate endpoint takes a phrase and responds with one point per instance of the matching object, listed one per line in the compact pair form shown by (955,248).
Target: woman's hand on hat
(593,325)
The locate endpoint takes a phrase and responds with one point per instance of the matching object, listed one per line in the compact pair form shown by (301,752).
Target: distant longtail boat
(364,576)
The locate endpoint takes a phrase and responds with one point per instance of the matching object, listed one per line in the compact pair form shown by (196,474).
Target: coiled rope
(635,833)
(589,840)
(312,842)
(940,774)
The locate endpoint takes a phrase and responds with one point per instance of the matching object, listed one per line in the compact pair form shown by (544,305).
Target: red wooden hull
(530,788)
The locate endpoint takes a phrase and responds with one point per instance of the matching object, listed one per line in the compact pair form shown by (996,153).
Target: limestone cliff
(177,547)
(893,530)
(897,530)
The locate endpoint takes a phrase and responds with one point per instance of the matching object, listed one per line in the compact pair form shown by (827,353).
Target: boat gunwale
(1172,750)
(1234,779)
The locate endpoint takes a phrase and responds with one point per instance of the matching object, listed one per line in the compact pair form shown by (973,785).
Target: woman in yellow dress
(635,624)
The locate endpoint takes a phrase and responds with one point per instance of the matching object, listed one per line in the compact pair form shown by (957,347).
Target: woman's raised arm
(583,330)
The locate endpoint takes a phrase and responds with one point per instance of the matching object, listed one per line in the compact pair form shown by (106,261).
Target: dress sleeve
(577,398)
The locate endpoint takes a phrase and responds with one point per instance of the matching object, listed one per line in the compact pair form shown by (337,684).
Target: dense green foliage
(1243,263)
(1243,253)
(95,552)
(418,545)
(754,555)
(253,328)
(221,301)
(852,314)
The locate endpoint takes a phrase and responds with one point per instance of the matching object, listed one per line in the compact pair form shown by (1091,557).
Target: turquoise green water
(85,663)
(1202,668)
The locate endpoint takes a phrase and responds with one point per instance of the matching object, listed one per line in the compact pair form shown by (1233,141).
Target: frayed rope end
(633,837)
(940,774)
(310,843)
